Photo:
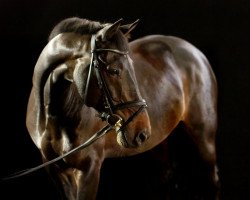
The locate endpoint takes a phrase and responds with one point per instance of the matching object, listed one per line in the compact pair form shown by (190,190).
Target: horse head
(111,86)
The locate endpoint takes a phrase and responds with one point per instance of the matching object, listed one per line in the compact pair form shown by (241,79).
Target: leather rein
(114,120)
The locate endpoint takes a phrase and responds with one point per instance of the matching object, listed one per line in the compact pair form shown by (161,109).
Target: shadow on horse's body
(173,77)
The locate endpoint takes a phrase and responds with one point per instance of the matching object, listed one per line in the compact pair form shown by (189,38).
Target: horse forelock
(76,25)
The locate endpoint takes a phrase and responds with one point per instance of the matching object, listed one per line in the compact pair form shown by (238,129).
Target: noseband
(109,106)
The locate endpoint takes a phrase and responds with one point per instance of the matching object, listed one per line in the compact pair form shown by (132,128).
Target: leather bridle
(110,107)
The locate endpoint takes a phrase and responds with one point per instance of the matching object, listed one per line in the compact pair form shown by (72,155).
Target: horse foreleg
(64,180)
(75,184)
(88,180)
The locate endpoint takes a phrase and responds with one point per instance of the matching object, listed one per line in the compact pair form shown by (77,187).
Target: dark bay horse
(88,75)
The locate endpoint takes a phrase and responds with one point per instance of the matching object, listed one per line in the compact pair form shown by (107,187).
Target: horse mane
(76,25)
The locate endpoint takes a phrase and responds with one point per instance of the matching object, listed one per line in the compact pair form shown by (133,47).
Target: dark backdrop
(218,28)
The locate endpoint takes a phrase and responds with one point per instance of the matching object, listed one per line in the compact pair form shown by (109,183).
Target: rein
(114,121)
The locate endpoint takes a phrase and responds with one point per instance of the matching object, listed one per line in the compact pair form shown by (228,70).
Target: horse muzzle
(135,133)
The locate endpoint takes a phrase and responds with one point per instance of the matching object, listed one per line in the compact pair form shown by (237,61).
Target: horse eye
(113,71)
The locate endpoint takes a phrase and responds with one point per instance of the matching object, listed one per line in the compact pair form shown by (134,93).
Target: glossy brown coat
(172,75)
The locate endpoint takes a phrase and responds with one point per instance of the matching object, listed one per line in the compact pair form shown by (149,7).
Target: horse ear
(108,31)
(127,28)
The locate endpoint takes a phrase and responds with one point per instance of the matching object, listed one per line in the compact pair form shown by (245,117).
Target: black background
(220,29)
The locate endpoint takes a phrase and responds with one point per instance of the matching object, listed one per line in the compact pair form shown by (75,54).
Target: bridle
(109,106)
(114,120)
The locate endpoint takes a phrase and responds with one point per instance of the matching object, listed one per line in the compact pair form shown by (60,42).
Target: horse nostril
(141,137)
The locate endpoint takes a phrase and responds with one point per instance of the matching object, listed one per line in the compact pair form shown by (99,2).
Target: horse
(89,75)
